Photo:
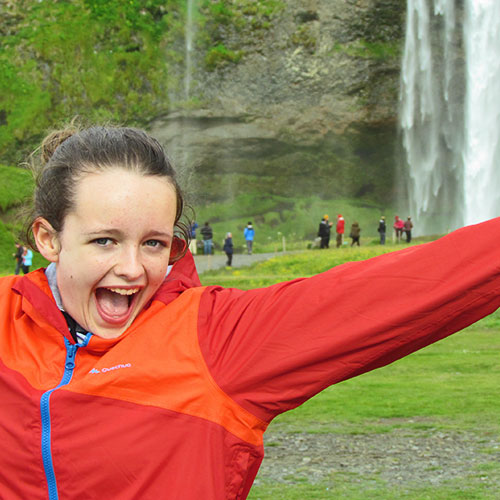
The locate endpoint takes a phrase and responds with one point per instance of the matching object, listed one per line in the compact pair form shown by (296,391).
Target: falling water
(188,48)
(449,114)
(430,118)
(482,110)
(177,130)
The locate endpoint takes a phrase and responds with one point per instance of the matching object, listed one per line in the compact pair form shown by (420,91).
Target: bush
(220,55)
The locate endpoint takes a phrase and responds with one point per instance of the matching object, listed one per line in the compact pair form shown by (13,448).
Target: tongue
(112,303)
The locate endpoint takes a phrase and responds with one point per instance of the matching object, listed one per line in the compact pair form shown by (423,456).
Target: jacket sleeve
(270,349)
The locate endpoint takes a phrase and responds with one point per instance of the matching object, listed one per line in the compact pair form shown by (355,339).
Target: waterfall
(430,118)
(178,127)
(482,110)
(449,118)
(188,48)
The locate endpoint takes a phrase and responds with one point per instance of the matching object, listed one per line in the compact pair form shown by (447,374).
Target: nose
(128,264)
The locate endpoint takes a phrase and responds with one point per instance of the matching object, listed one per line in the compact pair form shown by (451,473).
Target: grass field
(451,388)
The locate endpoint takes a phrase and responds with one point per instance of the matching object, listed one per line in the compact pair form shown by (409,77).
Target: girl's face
(113,251)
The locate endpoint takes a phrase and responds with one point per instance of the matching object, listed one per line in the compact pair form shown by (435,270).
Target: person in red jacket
(122,376)
(340,228)
(398,228)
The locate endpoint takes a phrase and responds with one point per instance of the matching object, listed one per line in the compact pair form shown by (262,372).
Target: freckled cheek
(156,275)
(160,274)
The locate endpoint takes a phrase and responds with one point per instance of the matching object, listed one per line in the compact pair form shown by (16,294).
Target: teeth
(123,291)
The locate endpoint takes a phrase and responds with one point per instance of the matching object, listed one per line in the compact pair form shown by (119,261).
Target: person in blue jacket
(27,260)
(249,234)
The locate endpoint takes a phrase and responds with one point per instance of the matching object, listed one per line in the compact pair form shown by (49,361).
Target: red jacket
(398,223)
(176,407)
(340,225)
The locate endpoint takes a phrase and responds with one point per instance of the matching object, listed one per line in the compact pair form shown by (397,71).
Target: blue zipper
(69,366)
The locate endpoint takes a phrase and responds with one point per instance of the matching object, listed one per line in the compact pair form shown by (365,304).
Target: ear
(177,250)
(46,239)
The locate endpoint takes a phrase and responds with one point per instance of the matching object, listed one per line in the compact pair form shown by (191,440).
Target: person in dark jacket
(382,229)
(228,249)
(355,233)
(207,235)
(19,257)
(408,226)
(324,232)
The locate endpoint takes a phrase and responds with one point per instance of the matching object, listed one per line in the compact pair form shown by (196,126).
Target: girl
(121,376)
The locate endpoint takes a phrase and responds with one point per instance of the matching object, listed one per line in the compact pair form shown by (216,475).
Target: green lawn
(294,265)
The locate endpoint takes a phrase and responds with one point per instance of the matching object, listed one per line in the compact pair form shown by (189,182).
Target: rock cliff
(310,106)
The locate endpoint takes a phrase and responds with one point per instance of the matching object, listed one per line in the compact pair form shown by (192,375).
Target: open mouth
(116,304)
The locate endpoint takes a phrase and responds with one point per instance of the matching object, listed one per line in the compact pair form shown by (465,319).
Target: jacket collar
(40,304)
(38,301)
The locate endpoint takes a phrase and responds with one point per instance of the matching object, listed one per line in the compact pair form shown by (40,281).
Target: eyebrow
(161,234)
(117,232)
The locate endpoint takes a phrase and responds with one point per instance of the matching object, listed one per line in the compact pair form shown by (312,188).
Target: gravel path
(401,456)
(210,262)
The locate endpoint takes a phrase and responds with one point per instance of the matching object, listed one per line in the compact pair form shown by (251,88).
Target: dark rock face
(312,103)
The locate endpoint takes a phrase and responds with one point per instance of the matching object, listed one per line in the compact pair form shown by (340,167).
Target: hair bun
(54,140)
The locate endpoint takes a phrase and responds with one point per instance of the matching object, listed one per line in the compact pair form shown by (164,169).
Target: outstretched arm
(273,348)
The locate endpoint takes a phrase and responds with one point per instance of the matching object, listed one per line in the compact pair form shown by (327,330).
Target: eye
(155,243)
(102,242)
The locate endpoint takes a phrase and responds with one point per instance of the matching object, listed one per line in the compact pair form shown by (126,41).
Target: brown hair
(66,155)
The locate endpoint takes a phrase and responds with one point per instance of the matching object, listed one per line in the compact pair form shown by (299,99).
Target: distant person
(207,235)
(19,257)
(249,233)
(398,228)
(324,232)
(408,226)
(355,233)
(228,249)
(382,229)
(340,229)
(27,260)
(192,241)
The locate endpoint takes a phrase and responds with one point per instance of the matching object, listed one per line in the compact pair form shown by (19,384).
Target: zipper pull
(70,357)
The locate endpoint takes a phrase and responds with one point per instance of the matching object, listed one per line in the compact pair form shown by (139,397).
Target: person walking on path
(207,235)
(340,228)
(228,249)
(382,228)
(355,233)
(116,363)
(249,234)
(408,226)
(192,241)
(324,232)
(19,257)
